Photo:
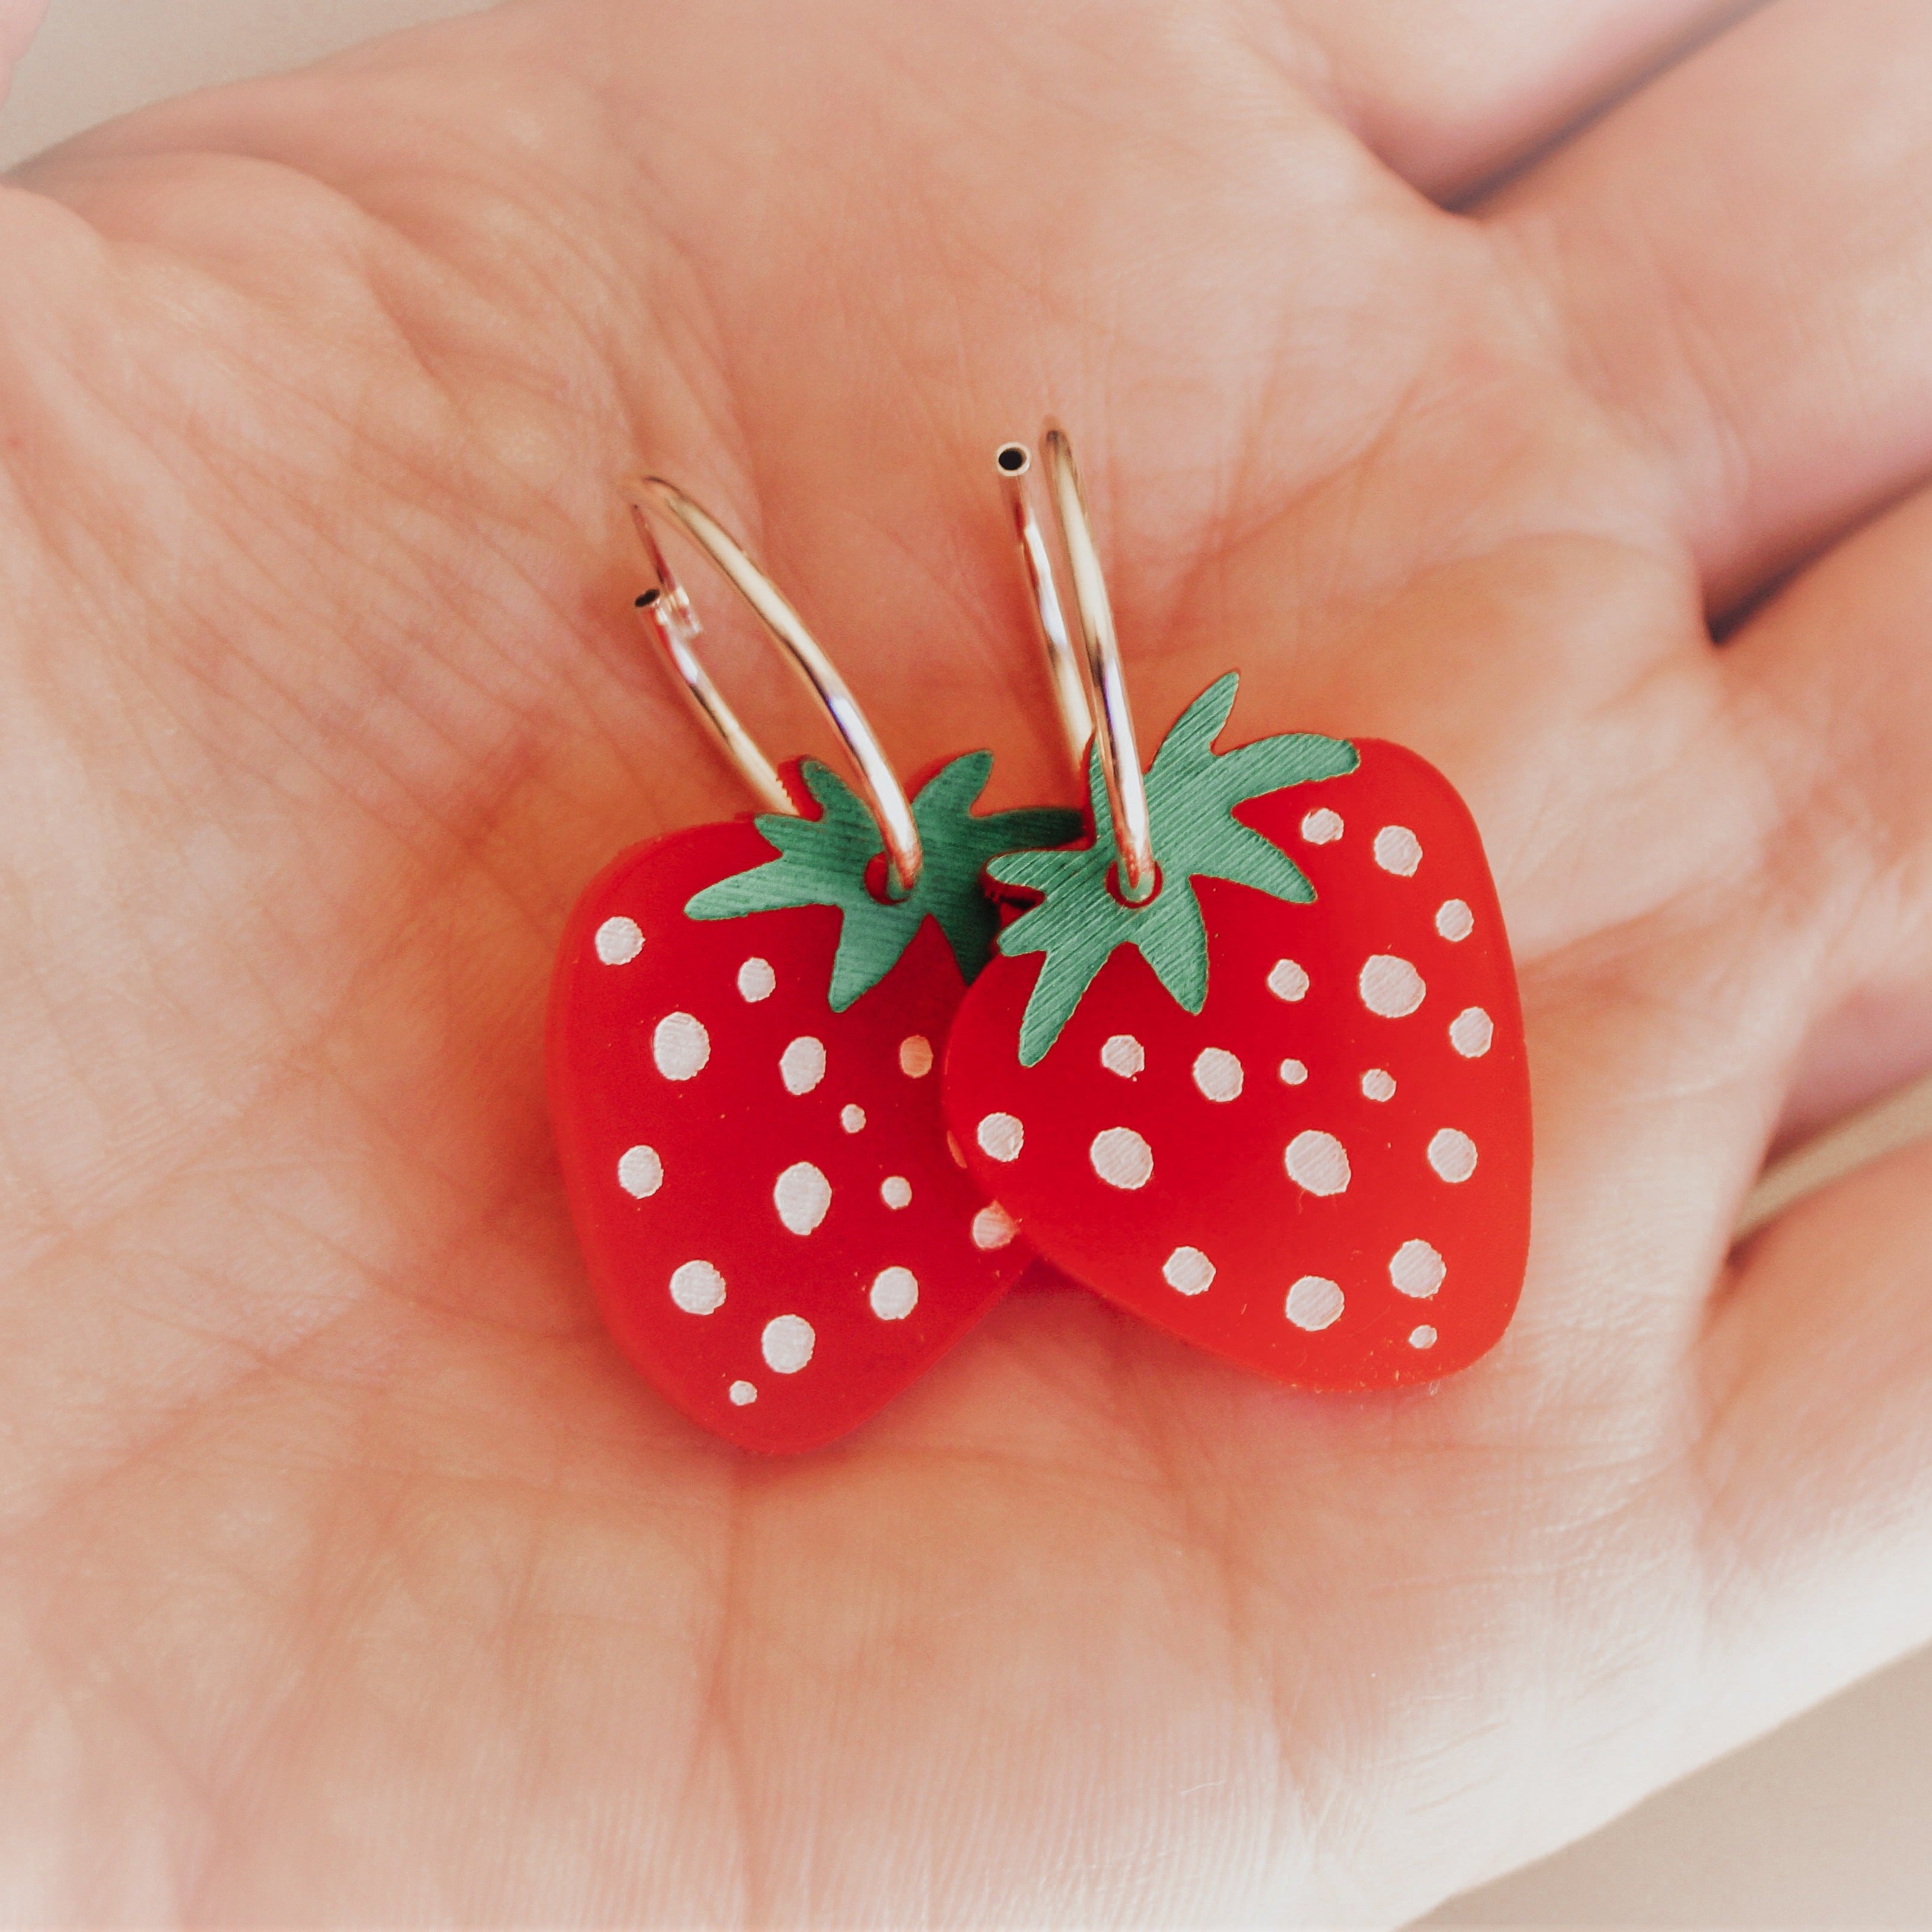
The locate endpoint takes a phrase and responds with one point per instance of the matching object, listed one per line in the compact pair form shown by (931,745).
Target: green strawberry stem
(1191,793)
(826,860)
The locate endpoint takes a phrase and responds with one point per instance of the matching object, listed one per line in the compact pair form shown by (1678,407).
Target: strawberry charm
(1276,1101)
(745,1025)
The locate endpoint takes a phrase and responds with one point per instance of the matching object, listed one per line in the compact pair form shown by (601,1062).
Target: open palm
(350,1573)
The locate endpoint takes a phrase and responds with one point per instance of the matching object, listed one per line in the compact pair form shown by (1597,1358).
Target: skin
(347,1573)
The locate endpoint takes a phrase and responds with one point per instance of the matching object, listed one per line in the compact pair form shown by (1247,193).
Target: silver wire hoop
(1094,706)
(676,626)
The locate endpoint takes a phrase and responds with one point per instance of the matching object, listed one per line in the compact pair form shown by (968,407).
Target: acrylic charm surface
(1282,1109)
(744,1043)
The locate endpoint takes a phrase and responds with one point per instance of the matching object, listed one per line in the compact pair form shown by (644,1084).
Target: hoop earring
(744,1024)
(1250,1062)
(675,625)
(1090,688)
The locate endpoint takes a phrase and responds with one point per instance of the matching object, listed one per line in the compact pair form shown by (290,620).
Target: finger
(1738,255)
(1831,684)
(18,21)
(1450,94)
(1813,1462)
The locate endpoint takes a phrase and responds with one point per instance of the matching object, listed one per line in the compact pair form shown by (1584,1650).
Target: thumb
(18,20)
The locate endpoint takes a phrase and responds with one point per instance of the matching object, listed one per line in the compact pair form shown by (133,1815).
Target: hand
(350,1574)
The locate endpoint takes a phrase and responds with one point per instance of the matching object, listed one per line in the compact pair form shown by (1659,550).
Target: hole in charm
(1116,887)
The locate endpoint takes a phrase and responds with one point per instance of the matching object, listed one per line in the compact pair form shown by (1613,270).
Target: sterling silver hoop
(1093,705)
(675,626)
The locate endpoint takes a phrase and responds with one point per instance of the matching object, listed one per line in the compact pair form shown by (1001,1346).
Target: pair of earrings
(1240,1049)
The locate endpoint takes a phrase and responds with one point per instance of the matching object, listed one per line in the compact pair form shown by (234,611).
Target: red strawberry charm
(743,1033)
(1281,1109)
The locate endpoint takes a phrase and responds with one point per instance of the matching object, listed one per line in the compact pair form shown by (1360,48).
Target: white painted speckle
(1001,1136)
(802,1065)
(742,1392)
(1293,1073)
(802,1195)
(756,982)
(894,1294)
(1452,1154)
(787,1343)
(1322,827)
(1471,1032)
(915,1056)
(1416,1269)
(1390,986)
(852,1119)
(1317,1162)
(619,941)
(1398,850)
(1454,920)
(1188,1271)
(895,1191)
(1378,1084)
(993,1227)
(1314,1302)
(1424,1337)
(639,1172)
(680,1046)
(1287,981)
(1123,1054)
(1121,1158)
(1218,1073)
(697,1287)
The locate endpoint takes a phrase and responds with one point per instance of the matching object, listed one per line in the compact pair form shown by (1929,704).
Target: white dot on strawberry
(894,1294)
(619,941)
(1314,1302)
(1390,986)
(639,1172)
(1123,1054)
(1287,981)
(852,1119)
(1121,1158)
(1188,1271)
(1378,1084)
(1452,1154)
(1317,1162)
(1398,850)
(741,1393)
(1322,828)
(895,1191)
(1424,1337)
(756,982)
(1454,920)
(787,1343)
(1471,1032)
(993,1227)
(1001,1136)
(680,1046)
(1293,1073)
(916,1056)
(697,1287)
(802,1065)
(802,1197)
(1218,1073)
(1416,1269)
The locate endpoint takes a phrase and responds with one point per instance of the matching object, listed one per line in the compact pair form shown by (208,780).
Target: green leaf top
(1192,793)
(823,861)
